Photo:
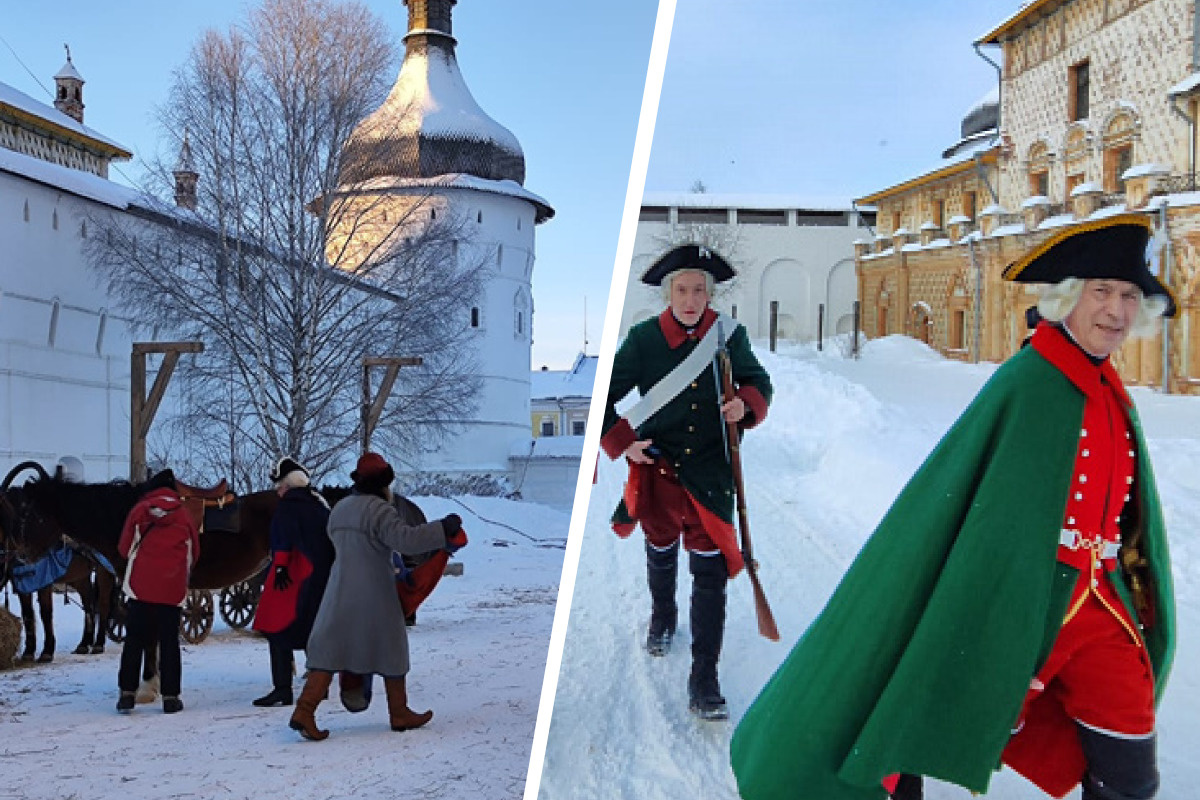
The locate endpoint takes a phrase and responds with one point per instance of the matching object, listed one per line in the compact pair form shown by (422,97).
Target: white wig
(710,283)
(293,480)
(1057,300)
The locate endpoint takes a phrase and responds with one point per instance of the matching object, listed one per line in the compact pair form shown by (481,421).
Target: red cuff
(755,402)
(618,438)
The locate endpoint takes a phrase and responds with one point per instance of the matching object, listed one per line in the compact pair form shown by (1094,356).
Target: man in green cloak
(1015,604)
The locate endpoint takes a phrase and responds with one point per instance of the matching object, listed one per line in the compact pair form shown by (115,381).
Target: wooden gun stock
(766,619)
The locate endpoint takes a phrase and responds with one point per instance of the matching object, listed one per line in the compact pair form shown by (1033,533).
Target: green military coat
(921,660)
(688,429)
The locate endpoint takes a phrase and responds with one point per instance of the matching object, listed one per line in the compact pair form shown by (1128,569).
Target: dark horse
(233,547)
(95,596)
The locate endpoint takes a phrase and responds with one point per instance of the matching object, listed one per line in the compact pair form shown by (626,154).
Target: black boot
(1118,769)
(709,576)
(281,677)
(909,787)
(662,567)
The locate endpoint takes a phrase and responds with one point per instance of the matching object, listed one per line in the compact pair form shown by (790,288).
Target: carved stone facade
(1098,103)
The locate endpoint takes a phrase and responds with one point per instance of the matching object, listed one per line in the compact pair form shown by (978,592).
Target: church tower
(68,90)
(430,151)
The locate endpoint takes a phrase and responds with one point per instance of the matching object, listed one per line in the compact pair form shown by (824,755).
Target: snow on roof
(553,384)
(74,181)
(430,124)
(456,180)
(1035,200)
(963,156)
(10,96)
(1185,86)
(1141,170)
(1180,199)
(1057,221)
(68,71)
(766,202)
(990,98)
(431,96)
(1087,187)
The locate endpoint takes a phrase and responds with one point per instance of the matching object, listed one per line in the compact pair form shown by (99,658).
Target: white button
(1095,582)
(1129,479)
(1083,433)
(1086,453)
(1083,478)
(1079,496)
(1118,519)
(1126,434)
(1126,498)
(1131,454)
(1070,520)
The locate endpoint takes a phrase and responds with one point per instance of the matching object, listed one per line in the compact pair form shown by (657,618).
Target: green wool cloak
(921,660)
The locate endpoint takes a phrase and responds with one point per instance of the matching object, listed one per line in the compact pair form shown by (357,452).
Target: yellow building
(1095,114)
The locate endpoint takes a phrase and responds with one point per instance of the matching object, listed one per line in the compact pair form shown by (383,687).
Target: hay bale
(10,637)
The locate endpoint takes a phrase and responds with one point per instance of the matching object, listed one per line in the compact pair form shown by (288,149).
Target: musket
(723,372)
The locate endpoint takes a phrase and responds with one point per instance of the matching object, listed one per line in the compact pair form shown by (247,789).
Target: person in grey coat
(360,625)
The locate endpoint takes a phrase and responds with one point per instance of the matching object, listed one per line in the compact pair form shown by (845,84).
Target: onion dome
(430,125)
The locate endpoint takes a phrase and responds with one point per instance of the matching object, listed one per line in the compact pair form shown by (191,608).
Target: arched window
(1038,166)
(1120,133)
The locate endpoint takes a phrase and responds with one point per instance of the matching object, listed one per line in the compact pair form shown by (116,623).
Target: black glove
(282,579)
(451,524)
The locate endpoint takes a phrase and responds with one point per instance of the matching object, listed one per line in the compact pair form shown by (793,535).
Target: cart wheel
(116,618)
(238,604)
(196,620)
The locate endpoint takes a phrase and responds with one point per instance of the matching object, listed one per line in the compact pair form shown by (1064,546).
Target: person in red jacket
(161,543)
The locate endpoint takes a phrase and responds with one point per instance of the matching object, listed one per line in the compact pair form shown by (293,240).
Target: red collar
(676,334)
(1064,354)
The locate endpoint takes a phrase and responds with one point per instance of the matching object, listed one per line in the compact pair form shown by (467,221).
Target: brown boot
(402,717)
(316,689)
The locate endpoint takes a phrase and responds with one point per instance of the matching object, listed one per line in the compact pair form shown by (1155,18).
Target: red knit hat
(372,466)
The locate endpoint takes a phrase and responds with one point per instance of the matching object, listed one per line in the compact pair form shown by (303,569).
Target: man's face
(689,297)
(1104,314)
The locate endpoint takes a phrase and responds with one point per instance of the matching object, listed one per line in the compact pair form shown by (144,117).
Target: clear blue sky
(821,98)
(565,77)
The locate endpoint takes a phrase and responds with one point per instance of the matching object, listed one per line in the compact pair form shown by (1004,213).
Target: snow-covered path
(842,439)
(478,653)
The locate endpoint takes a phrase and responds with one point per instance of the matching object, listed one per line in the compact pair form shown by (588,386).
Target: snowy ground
(842,439)
(478,654)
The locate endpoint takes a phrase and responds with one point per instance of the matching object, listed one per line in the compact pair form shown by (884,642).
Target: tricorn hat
(1113,247)
(284,467)
(688,256)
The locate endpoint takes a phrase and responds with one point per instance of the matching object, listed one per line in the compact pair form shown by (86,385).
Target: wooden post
(857,325)
(373,408)
(143,406)
(820,326)
(774,323)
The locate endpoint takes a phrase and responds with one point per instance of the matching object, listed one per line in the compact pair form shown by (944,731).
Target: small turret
(68,90)
(186,177)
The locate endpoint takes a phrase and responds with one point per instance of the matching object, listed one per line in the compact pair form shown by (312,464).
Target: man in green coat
(680,480)
(1015,603)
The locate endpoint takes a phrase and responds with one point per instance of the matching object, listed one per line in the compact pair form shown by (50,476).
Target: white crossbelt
(1075,540)
(671,384)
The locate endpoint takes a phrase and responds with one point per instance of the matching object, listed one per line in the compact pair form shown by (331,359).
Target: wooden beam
(143,408)
(372,408)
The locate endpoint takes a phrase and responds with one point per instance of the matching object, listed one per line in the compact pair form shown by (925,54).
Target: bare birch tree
(261,270)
